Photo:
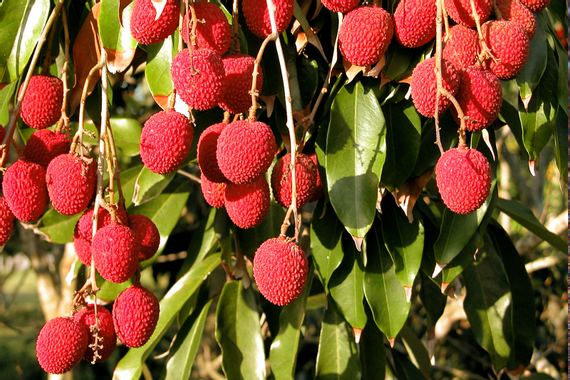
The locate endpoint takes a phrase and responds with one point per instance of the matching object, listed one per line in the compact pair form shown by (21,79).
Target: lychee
(365,34)
(257,16)
(245,150)
(206,153)
(239,75)
(146,234)
(41,105)
(536,5)
(135,314)
(280,270)
(212,30)
(71,182)
(106,337)
(247,204)
(44,145)
(198,78)
(460,11)
(463,178)
(6,221)
(414,22)
(342,6)
(146,28)
(319,190)
(24,188)
(423,86)
(214,193)
(514,10)
(305,176)
(116,252)
(61,344)
(480,97)
(461,46)
(165,141)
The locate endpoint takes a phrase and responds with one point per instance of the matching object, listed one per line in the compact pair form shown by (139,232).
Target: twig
(254,94)
(63,122)
(191,176)
(235,47)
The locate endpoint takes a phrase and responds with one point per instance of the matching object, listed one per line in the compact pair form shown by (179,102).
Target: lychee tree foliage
(379,236)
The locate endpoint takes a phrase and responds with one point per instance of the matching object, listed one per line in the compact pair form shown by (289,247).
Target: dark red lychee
(24,188)
(6,221)
(206,153)
(107,339)
(214,193)
(247,204)
(44,145)
(305,176)
(146,234)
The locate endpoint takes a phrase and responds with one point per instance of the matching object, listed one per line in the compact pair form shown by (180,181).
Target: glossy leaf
(561,145)
(6,95)
(355,154)
(338,354)
(157,73)
(148,185)
(416,350)
(461,261)
(530,75)
(114,25)
(108,291)
(126,133)
(405,369)
(250,239)
(398,62)
(130,366)
(58,228)
(512,117)
(372,352)
(432,299)
(239,334)
(11,14)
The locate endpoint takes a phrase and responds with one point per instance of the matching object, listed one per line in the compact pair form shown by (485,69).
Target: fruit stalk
(64,119)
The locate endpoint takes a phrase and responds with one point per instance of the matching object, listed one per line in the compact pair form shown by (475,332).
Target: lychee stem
(252,115)
(235,47)
(63,122)
(49,58)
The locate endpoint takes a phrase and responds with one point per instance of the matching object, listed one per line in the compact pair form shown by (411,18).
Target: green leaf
(416,350)
(432,299)
(355,154)
(115,33)
(338,354)
(58,228)
(157,72)
(383,290)
(405,369)
(128,180)
(530,75)
(561,145)
(372,352)
(250,239)
(523,216)
(127,134)
(404,240)
(461,261)
(239,334)
(130,366)
(148,185)
(403,138)
(511,116)
(108,291)
(326,232)
(398,62)
(6,95)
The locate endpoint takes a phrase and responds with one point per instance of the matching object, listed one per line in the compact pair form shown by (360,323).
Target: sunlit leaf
(372,352)
(114,26)
(59,228)
(530,75)
(126,133)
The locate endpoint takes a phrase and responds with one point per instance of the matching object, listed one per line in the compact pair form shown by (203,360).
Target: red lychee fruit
(147,235)
(460,11)
(165,141)
(509,45)
(24,188)
(319,190)
(536,5)
(239,75)
(212,30)
(342,6)
(116,252)
(247,204)
(44,145)
(305,175)
(206,153)
(135,314)
(514,10)
(480,97)
(6,221)
(61,344)
(463,178)
(41,105)
(280,270)
(245,150)
(257,16)
(414,22)
(365,34)
(107,339)
(424,87)
(461,46)
(214,193)
(146,28)
(198,79)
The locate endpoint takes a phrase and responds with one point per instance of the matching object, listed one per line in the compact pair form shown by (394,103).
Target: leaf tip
(392,342)
(357,333)
(408,290)
(358,242)
(437,270)
(444,286)
(532,167)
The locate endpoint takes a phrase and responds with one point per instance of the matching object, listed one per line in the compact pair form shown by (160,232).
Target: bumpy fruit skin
(206,153)
(83,233)
(247,204)
(514,10)
(239,74)
(460,11)
(245,150)
(461,46)
(165,141)
(145,29)
(414,22)
(423,86)
(41,105)
(6,221)
(536,5)
(342,6)
(280,270)
(86,318)
(201,88)
(70,183)
(146,234)
(509,45)
(463,178)
(214,193)
(44,145)
(305,176)
(212,31)
(135,314)
(365,34)
(116,252)
(257,16)
(24,188)
(61,344)
(319,190)
(480,97)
